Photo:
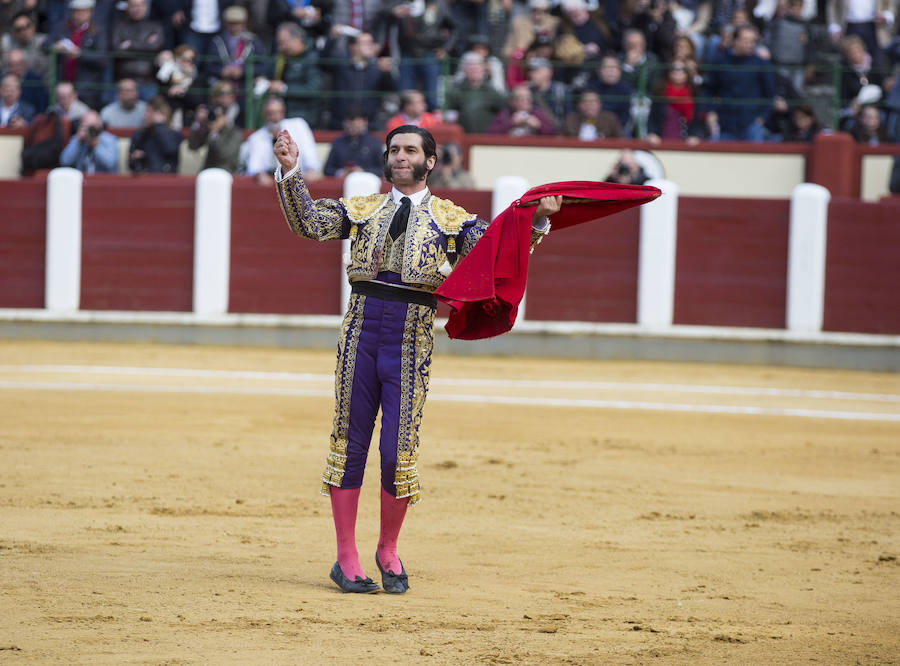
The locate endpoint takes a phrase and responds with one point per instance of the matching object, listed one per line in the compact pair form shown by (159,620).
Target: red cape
(486,287)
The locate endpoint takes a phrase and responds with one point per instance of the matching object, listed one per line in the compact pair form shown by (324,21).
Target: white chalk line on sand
(479,399)
(451,381)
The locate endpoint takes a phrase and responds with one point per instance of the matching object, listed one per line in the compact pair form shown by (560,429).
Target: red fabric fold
(486,287)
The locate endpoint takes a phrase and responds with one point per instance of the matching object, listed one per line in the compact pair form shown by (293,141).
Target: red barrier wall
(23,239)
(272,270)
(587,273)
(138,243)
(862,267)
(731,262)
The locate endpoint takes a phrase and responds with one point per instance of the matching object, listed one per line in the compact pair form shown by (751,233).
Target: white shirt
(205,17)
(6,113)
(260,157)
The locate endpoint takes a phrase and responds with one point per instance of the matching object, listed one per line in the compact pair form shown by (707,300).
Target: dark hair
(429,145)
(19,14)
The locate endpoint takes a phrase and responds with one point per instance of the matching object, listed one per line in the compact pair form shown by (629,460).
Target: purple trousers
(383,361)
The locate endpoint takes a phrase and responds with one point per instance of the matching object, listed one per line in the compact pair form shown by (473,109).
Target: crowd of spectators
(696,70)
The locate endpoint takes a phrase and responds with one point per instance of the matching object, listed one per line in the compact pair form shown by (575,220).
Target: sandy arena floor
(160,505)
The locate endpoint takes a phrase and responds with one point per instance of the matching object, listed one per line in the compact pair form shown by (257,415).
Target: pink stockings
(344,503)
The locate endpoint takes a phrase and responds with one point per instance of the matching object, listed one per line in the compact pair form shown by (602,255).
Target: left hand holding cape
(487,285)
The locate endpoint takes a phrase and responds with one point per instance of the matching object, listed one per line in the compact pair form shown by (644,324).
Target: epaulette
(448,216)
(362,208)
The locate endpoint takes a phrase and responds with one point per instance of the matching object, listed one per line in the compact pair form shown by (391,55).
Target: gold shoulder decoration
(362,208)
(448,216)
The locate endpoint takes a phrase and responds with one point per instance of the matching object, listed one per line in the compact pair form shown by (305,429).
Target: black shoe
(359,586)
(391,582)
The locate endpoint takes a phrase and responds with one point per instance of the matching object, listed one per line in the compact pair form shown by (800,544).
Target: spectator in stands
(525,28)
(14,113)
(81,51)
(223,93)
(859,73)
(179,73)
(870,20)
(798,123)
(213,129)
(449,171)
(684,51)
(590,121)
(790,40)
(142,38)
(23,35)
(259,161)
(673,110)
(356,149)
(92,149)
(692,19)
(295,75)
(127,110)
(471,19)
(34,90)
(868,127)
(314,16)
(549,94)
(154,146)
(656,24)
(203,21)
(474,101)
(615,93)
(635,167)
(496,73)
(229,50)
(638,63)
(521,117)
(67,103)
(589,31)
(413,112)
(424,39)
(350,18)
(362,81)
(172,16)
(744,80)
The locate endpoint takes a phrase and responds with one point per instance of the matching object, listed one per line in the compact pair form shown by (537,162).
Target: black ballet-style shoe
(358,586)
(391,582)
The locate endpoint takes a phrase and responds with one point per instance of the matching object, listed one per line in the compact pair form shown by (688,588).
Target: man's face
(22,30)
(474,72)
(136,9)
(288,44)
(80,16)
(610,71)
(65,95)
(406,163)
(364,47)
(10,90)
(415,107)
(15,63)
(520,99)
(235,28)
(273,112)
(356,126)
(589,105)
(128,94)
(744,43)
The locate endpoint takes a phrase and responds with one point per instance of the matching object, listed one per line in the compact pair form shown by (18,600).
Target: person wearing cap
(81,52)
(552,96)
(403,244)
(474,101)
(229,50)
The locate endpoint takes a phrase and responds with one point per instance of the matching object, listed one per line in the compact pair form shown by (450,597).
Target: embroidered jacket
(437,234)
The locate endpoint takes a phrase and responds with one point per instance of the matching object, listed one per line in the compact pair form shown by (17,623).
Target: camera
(93,131)
(622,170)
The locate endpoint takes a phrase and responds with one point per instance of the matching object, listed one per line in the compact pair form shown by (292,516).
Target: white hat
(81,4)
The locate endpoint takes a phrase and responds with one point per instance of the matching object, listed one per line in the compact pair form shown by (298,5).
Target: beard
(419,172)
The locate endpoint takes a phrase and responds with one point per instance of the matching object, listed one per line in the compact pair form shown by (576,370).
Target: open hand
(286,151)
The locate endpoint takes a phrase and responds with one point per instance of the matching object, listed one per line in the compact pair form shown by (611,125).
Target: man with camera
(213,128)
(92,149)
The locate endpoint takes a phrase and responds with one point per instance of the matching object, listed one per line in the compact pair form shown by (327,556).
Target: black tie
(398,224)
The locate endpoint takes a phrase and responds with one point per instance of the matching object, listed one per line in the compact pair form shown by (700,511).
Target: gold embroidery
(448,216)
(415,369)
(361,208)
(348,344)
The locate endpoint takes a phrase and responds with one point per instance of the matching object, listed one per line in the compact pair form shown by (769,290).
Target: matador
(402,246)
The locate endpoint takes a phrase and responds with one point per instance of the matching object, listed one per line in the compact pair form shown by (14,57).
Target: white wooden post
(62,270)
(656,259)
(806,257)
(506,190)
(212,242)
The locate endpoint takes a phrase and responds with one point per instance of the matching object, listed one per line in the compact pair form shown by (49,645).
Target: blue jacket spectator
(355,149)
(91,149)
(615,93)
(14,113)
(362,80)
(746,84)
(154,146)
